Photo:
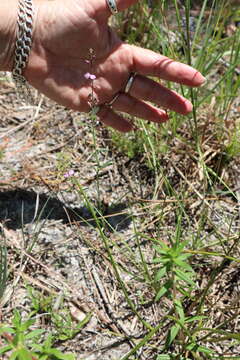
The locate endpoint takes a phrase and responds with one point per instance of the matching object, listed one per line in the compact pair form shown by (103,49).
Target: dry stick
(103,294)
(16,128)
(101,315)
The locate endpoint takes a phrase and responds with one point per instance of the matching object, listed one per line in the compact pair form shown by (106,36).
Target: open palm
(72,38)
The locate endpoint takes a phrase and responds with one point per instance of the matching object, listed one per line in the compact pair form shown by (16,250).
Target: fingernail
(204,81)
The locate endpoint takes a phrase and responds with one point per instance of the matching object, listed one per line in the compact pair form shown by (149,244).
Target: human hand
(64,33)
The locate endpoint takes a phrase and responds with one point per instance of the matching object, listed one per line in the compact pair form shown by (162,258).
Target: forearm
(8,28)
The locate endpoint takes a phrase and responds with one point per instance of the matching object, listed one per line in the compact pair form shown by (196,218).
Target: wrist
(8,31)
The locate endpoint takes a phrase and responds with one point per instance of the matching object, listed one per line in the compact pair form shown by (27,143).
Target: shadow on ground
(19,207)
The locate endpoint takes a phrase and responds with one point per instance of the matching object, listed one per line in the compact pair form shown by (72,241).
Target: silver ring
(113,100)
(112,6)
(129,83)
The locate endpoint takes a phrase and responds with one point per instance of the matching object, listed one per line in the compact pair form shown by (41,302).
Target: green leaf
(179,309)
(195,347)
(14,355)
(184,277)
(37,347)
(205,350)
(161,250)
(195,318)
(108,163)
(83,322)
(182,264)
(7,329)
(166,259)
(184,257)
(26,325)
(16,319)
(5,349)
(59,355)
(48,342)
(160,273)
(172,335)
(171,357)
(34,333)
(24,354)
(157,260)
(163,290)
(44,357)
(63,337)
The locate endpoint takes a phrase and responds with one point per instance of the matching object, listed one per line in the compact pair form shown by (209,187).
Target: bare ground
(41,210)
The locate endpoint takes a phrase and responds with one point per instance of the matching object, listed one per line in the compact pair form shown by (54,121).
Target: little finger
(108,117)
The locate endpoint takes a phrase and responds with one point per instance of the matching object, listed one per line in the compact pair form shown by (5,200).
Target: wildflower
(69,173)
(89,76)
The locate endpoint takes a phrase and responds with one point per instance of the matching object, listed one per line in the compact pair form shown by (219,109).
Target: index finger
(149,63)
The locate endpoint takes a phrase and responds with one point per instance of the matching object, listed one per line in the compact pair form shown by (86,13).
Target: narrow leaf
(160,273)
(183,264)
(5,349)
(163,290)
(172,335)
(184,277)
(34,333)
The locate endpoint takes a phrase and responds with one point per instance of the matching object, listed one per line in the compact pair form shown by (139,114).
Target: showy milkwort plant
(174,267)
(92,100)
(176,277)
(22,343)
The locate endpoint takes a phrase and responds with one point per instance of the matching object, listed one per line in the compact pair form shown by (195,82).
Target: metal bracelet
(23,48)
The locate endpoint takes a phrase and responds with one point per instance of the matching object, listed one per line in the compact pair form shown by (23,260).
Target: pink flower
(89,76)
(69,173)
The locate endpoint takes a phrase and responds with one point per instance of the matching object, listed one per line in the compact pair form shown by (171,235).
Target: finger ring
(129,82)
(112,6)
(113,100)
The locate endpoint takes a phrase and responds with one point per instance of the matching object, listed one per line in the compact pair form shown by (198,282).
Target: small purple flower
(89,76)
(69,173)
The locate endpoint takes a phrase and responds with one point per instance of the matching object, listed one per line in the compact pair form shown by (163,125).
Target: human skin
(63,34)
